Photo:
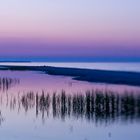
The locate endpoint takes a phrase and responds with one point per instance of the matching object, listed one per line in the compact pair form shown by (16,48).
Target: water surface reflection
(96,106)
(6,83)
(39,106)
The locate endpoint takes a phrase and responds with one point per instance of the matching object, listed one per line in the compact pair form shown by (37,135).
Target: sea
(117,66)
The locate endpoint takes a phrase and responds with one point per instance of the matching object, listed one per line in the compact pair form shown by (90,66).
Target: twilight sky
(70,28)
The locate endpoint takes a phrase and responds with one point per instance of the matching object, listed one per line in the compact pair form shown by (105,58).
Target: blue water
(135,67)
(30,111)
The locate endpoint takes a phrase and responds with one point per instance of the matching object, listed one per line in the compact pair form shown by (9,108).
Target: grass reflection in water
(97,106)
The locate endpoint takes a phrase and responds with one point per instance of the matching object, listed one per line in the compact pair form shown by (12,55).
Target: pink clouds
(70,28)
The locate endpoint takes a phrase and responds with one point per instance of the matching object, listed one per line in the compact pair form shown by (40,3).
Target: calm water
(37,106)
(102,66)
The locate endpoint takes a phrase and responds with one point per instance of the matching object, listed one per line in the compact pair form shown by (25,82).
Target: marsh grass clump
(98,106)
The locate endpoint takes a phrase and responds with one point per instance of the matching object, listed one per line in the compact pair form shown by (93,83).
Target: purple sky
(84,28)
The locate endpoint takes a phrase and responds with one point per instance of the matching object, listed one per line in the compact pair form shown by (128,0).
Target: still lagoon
(38,106)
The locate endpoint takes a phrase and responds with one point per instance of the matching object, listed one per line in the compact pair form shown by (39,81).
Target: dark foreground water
(37,106)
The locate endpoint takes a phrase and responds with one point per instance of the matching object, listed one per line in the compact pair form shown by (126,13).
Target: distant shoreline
(100,76)
(69,61)
(15,61)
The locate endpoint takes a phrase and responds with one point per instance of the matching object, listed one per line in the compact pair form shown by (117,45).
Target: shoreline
(100,76)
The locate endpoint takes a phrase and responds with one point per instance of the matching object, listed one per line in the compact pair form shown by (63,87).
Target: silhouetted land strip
(101,76)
